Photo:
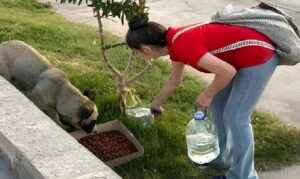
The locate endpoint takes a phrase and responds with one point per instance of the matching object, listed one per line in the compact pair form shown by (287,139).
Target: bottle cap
(199,115)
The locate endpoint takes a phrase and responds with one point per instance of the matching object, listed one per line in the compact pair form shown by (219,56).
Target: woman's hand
(204,100)
(156,110)
(169,87)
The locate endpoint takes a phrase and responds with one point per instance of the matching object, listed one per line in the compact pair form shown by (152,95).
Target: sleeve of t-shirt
(188,49)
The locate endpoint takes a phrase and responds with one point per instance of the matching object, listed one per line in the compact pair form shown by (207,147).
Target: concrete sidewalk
(282,96)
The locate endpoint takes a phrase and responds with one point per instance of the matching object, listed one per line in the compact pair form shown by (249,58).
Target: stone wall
(37,148)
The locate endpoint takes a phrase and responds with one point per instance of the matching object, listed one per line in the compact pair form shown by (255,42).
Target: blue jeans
(231,110)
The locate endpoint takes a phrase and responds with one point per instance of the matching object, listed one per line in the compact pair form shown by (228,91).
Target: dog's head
(79,110)
(88,113)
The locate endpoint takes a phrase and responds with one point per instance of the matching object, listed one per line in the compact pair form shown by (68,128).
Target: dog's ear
(85,111)
(90,94)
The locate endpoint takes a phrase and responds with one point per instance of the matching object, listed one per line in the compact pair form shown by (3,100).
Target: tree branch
(102,47)
(139,74)
(129,64)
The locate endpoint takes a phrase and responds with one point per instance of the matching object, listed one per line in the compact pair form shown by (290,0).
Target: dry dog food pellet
(108,145)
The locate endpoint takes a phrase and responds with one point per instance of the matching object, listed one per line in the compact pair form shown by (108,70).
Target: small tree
(121,9)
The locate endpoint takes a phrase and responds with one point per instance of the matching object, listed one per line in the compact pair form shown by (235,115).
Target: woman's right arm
(169,87)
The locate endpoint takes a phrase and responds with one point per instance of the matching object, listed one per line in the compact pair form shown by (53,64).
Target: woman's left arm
(224,72)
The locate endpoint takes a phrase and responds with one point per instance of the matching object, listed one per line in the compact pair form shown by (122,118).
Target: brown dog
(47,87)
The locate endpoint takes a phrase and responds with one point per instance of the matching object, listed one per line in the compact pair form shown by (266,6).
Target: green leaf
(122,18)
(108,8)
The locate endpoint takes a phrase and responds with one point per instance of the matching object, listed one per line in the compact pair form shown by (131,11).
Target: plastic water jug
(201,138)
(141,115)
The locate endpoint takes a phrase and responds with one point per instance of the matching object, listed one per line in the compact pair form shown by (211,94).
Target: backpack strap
(243,43)
(186,29)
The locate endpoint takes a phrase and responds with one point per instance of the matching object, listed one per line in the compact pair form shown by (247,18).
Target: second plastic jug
(202,139)
(142,115)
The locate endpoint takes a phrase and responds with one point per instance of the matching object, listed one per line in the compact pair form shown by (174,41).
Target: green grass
(74,49)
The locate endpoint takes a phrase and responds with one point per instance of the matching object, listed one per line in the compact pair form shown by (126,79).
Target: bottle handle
(204,112)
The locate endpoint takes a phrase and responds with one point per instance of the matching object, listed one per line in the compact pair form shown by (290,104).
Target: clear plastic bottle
(202,139)
(142,115)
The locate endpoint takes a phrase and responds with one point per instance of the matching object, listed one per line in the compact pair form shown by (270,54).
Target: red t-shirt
(192,44)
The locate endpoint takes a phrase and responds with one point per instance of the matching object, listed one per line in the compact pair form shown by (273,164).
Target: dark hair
(143,32)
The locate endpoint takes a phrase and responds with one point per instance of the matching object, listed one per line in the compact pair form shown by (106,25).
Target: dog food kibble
(108,145)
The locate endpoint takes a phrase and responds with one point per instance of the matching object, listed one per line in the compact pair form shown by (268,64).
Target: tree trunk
(121,83)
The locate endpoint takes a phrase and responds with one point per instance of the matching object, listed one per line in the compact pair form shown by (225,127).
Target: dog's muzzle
(90,127)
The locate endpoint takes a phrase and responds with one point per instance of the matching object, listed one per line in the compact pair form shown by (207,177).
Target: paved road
(282,96)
